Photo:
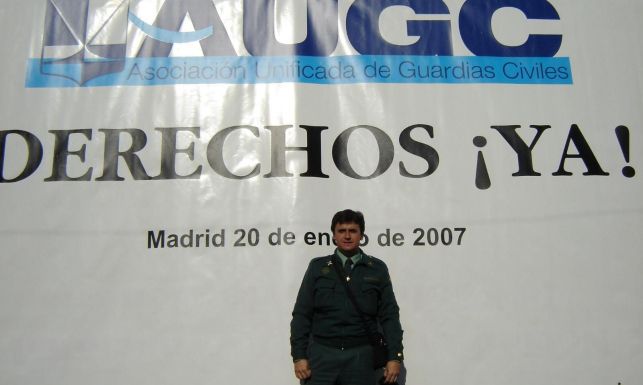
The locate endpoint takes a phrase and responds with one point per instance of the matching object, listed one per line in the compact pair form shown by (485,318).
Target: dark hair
(348,216)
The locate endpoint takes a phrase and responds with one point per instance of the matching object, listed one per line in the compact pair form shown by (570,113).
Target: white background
(545,288)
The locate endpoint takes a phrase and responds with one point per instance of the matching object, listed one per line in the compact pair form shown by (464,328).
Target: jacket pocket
(369,298)
(324,293)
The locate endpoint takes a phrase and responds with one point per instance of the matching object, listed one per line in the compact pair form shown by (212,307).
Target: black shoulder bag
(380,347)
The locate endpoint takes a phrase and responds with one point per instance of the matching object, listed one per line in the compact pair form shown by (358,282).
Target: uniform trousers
(333,366)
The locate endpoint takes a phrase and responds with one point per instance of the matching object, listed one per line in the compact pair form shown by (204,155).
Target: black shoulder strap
(367,325)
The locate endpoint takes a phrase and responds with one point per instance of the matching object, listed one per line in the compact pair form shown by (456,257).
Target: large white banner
(168,168)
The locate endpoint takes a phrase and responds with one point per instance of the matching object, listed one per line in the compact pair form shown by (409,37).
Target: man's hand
(392,371)
(302,370)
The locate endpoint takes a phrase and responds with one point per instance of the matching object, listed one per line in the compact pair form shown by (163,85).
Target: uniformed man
(339,352)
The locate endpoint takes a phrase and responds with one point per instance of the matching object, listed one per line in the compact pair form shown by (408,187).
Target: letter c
(477,35)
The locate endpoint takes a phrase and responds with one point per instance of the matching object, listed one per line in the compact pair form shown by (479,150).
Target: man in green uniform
(339,352)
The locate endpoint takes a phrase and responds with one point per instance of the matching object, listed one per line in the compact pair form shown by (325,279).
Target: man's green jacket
(324,310)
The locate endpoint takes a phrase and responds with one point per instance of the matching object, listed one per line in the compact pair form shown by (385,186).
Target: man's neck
(355,256)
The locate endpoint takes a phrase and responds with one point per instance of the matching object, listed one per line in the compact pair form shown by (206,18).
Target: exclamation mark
(482,175)
(623,136)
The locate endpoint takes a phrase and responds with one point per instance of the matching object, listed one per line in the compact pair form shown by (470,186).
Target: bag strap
(336,263)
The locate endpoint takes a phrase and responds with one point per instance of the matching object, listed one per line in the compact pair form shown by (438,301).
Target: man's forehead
(346,225)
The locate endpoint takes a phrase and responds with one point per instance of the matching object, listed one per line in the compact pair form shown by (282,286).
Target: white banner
(168,169)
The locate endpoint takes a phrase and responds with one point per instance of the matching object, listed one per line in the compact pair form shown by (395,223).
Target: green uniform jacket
(324,310)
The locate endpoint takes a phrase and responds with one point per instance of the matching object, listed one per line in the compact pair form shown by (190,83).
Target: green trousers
(332,366)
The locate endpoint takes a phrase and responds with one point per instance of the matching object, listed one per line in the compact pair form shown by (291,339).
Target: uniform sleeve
(389,318)
(302,315)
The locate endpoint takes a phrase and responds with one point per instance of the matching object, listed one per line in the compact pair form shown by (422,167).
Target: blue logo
(88,43)
(75,49)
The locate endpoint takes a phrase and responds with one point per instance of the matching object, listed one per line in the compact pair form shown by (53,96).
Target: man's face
(347,237)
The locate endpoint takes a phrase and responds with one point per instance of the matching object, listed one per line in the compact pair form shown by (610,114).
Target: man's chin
(348,250)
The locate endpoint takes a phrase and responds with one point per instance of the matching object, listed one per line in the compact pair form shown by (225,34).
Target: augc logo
(108,42)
